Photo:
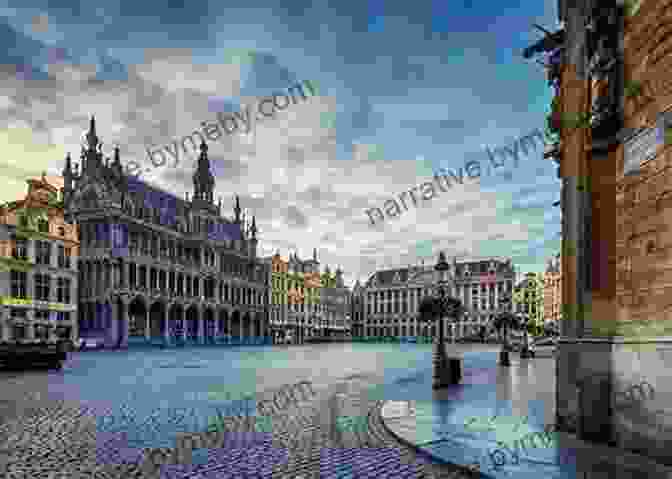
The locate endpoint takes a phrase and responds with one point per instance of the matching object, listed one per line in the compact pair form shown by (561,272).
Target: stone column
(74,327)
(148,331)
(166,331)
(109,276)
(125,325)
(183,315)
(93,279)
(124,274)
(4,324)
(100,278)
(216,332)
(113,330)
(30,326)
(31,250)
(53,286)
(262,333)
(200,322)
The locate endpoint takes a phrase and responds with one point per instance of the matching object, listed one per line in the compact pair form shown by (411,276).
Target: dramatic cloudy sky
(402,89)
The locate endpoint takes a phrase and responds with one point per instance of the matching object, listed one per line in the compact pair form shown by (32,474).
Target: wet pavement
(500,421)
(113,413)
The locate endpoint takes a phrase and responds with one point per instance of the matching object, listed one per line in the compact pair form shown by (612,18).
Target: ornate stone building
(390,298)
(553,291)
(38,266)
(150,268)
(357,310)
(335,300)
(528,298)
(306,304)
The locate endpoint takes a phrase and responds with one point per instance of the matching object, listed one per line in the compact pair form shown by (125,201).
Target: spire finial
(91,137)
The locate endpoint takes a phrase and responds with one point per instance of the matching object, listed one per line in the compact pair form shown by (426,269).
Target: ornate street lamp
(505,320)
(434,308)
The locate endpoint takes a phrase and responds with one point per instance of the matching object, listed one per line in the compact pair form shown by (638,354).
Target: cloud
(309,173)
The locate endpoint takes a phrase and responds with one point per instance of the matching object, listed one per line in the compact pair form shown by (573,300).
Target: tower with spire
(204,181)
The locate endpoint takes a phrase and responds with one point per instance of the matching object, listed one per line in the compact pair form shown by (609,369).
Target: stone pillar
(30,326)
(125,325)
(4,324)
(111,324)
(183,315)
(113,329)
(31,250)
(262,333)
(92,278)
(216,331)
(100,278)
(105,273)
(74,327)
(166,331)
(148,331)
(53,286)
(124,274)
(200,321)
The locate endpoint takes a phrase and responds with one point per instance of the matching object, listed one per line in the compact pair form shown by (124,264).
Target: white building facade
(390,298)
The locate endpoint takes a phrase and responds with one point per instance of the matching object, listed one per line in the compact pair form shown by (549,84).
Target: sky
(401,90)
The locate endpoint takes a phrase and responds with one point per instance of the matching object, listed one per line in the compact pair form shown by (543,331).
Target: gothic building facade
(150,268)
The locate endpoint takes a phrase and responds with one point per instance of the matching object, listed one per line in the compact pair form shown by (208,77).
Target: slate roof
(476,268)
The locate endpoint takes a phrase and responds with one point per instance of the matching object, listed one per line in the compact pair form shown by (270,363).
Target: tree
(435,308)
(506,321)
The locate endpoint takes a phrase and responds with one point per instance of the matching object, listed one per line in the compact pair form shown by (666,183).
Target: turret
(253,241)
(204,182)
(339,278)
(68,176)
(236,211)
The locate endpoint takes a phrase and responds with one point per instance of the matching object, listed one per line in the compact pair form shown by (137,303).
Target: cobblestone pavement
(54,439)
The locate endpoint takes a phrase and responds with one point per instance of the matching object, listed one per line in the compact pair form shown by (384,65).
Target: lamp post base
(504,358)
(447,371)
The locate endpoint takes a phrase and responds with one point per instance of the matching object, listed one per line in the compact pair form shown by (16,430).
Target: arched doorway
(122,326)
(236,324)
(137,322)
(224,332)
(157,324)
(261,330)
(247,329)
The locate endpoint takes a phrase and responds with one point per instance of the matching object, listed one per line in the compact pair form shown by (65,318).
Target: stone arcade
(170,282)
